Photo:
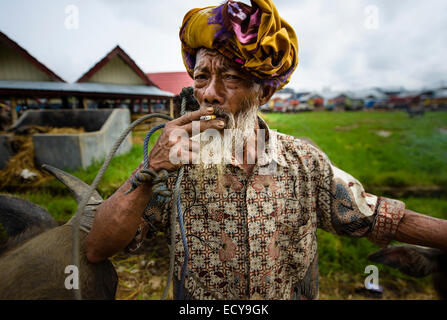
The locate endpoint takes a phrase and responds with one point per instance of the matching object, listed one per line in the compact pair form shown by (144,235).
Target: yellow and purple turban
(254,37)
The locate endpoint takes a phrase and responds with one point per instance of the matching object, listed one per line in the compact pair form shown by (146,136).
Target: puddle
(383,133)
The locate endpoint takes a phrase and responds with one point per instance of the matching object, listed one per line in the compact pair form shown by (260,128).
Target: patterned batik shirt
(255,237)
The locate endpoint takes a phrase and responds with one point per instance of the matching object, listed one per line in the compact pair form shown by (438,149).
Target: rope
(159,190)
(186,95)
(146,144)
(162,195)
(92,187)
(182,230)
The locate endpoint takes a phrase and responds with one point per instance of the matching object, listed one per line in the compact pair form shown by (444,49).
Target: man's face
(220,83)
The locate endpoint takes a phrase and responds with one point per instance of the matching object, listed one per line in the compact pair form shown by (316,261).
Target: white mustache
(241,131)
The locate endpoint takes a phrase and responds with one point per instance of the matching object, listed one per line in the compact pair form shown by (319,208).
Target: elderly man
(250,226)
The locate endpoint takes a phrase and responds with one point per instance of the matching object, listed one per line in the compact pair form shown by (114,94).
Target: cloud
(336,49)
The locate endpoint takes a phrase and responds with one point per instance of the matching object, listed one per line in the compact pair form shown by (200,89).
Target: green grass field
(415,153)
(411,153)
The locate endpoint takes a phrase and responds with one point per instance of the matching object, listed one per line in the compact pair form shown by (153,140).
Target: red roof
(117,51)
(14,46)
(172,82)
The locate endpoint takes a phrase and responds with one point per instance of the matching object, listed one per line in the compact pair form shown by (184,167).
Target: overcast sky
(344,44)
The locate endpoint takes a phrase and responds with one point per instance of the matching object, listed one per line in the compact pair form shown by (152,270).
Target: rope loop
(160,191)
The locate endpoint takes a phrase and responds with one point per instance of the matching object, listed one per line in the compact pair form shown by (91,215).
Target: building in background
(22,78)
(439,99)
(115,81)
(172,82)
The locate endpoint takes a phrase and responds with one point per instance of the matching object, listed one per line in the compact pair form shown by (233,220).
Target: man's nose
(213,93)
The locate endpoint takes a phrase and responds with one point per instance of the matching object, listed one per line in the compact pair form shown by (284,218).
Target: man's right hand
(159,155)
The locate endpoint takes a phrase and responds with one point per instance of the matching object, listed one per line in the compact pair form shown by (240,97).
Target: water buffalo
(21,220)
(418,262)
(35,268)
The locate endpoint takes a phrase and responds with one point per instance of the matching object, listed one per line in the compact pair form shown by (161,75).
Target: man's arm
(346,209)
(116,222)
(419,229)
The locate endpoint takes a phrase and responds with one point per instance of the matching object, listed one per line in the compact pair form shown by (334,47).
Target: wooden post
(84,103)
(141,106)
(149,105)
(131,105)
(13,110)
(171,107)
(73,102)
(64,102)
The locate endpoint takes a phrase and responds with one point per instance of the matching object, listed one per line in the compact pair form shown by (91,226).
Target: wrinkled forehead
(206,57)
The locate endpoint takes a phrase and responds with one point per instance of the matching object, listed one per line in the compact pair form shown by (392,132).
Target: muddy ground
(143,276)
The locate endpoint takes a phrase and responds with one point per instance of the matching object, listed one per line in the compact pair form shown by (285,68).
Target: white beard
(217,151)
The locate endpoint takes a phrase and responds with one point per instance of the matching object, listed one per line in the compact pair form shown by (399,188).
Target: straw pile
(21,169)
(146,125)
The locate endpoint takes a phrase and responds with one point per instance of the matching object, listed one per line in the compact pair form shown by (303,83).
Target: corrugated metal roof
(86,87)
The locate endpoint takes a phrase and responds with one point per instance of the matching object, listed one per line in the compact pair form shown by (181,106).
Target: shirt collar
(274,149)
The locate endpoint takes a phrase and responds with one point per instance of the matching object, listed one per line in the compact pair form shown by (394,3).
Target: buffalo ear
(411,260)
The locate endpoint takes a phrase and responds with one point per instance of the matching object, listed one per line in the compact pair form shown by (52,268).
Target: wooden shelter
(18,66)
(115,81)
(118,70)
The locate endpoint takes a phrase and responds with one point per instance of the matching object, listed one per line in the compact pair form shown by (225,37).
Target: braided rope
(146,143)
(159,189)
(92,187)
(187,95)
(163,195)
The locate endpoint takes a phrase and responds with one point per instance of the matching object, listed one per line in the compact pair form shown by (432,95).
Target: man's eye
(200,77)
(232,77)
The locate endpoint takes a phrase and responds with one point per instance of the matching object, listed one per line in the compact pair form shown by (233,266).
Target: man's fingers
(190,146)
(193,116)
(187,157)
(185,151)
(194,146)
(217,124)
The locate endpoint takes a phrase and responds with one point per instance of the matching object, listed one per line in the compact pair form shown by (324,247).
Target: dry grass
(23,158)
(147,125)
(143,276)
(344,286)
(138,139)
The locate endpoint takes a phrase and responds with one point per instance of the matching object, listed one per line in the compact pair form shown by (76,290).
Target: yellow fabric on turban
(255,37)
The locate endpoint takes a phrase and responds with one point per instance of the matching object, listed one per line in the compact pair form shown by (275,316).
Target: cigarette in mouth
(207,118)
